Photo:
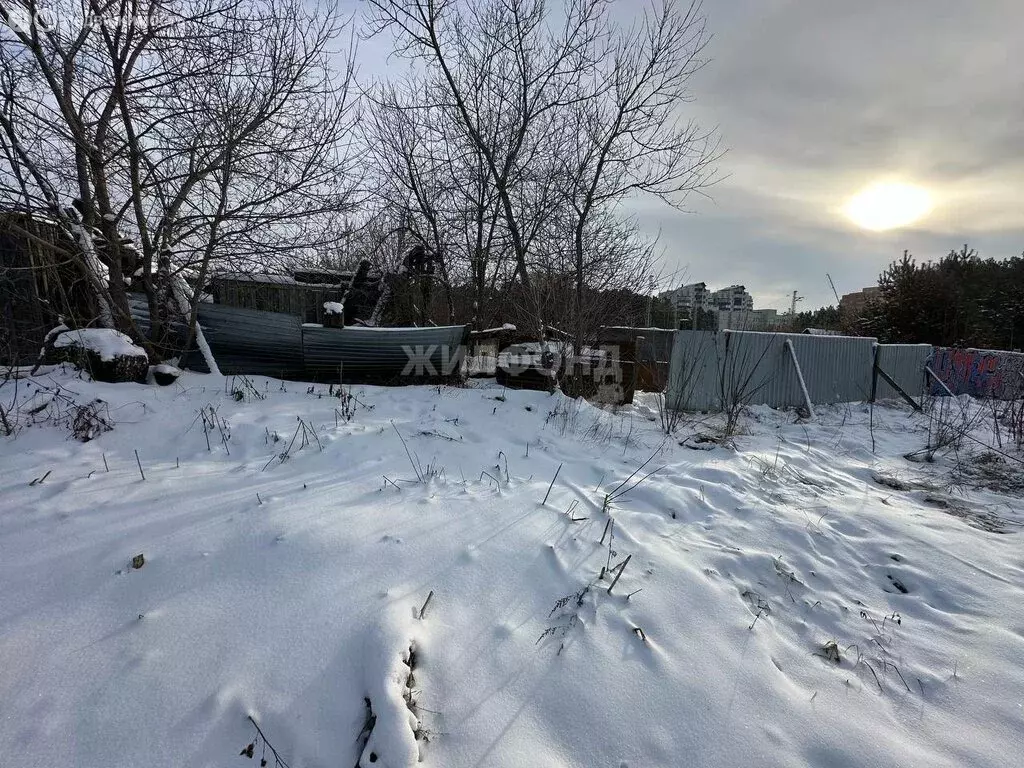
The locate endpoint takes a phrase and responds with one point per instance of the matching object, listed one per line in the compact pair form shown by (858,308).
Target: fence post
(874,372)
(940,382)
(800,378)
(636,360)
(899,390)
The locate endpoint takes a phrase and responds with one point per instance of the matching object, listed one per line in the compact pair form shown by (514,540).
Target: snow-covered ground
(794,600)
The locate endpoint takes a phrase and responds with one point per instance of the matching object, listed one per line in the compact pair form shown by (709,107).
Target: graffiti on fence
(979,372)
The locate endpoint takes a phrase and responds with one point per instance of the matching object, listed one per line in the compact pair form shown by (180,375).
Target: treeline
(961,300)
(826,318)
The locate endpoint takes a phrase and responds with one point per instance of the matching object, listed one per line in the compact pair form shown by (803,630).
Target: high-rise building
(852,303)
(732,299)
(689,297)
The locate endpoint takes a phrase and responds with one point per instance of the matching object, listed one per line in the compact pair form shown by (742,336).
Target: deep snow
(289,588)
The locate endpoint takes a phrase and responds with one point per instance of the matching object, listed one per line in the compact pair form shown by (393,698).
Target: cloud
(818,99)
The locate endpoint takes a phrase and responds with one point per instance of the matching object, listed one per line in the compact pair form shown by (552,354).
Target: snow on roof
(259,277)
(821,332)
(106,342)
(499,329)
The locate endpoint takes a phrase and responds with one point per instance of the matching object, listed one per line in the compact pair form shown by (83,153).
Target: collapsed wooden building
(316,325)
(39,285)
(303,323)
(324,297)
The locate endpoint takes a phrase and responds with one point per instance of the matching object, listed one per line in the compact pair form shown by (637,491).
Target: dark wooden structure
(39,284)
(647,350)
(301,293)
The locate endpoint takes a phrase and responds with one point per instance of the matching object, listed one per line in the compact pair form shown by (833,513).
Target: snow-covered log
(108,355)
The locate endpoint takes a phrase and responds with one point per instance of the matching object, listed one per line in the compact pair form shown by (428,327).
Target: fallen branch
(619,574)
(426,602)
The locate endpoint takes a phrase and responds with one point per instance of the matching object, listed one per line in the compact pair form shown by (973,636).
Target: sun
(888,205)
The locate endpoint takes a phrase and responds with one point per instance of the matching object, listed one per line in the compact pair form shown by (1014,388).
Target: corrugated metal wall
(836,369)
(709,369)
(696,369)
(249,341)
(139,308)
(382,353)
(979,372)
(905,364)
(254,342)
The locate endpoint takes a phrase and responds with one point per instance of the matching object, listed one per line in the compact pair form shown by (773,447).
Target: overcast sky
(816,99)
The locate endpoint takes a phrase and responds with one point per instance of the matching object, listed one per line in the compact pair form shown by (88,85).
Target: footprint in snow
(897,584)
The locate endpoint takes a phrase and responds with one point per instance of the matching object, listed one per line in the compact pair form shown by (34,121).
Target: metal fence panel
(905,363)
(752,367)
(139,308)
(381,354)
(836,369)
(711,369)
(979,372)
(249,341)
(694,375)
(243,341)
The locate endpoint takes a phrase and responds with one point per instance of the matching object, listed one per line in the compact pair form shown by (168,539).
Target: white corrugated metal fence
(711,370)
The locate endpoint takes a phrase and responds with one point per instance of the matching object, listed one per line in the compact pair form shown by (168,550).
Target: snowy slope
(290,589)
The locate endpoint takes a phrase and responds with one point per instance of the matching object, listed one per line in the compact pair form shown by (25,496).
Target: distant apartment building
(851,304)
(689,297)
(732,299)
(732,307)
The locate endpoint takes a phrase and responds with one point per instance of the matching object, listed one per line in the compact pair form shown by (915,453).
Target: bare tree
(500,71)
(186,132)
(414,177)
(626,134)
(566,114)
(440,182)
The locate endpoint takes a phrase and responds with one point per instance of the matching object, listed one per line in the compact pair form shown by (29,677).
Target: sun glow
(888,205)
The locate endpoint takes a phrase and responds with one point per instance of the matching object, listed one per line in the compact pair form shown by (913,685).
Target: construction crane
(834,291)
